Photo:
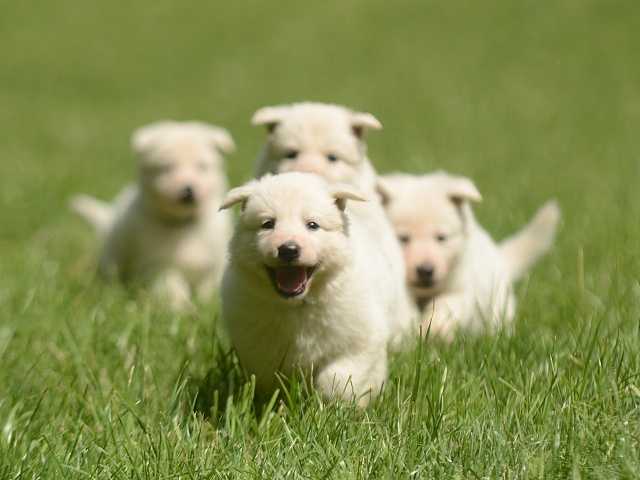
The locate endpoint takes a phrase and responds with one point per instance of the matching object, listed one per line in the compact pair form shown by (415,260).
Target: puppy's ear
(462,189)
(144,138)
(361,122)
(342,193)
(221,139)
(269,116)
(237,195)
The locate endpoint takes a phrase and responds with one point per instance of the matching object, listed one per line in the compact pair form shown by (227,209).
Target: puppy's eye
(332,157)
(441,238)
(313,226)
(291,154)
(404,239)
(268,224)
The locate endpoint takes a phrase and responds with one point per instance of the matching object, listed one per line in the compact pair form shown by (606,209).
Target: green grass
(531,99)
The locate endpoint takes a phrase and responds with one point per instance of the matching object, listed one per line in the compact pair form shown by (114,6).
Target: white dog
(318,138)
(305,288)
(458,275)
(328,140)
(165,232)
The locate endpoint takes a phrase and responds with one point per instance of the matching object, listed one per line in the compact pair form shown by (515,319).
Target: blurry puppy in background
(165,232)
(305,289)
(329,141)
(460,277)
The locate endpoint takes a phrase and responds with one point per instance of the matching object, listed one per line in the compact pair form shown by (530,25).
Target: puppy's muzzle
(426,274)
(187,195)
(289,251)
(289,278)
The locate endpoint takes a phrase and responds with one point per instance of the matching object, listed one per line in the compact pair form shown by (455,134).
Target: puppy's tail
(522,250)
(95,212)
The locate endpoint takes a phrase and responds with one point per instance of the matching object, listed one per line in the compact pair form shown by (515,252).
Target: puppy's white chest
(192,254)
(282,340)
(186,250)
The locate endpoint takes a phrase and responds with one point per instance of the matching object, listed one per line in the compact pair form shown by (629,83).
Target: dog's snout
(306,164)
(187,195)
(289,251)
(425,272)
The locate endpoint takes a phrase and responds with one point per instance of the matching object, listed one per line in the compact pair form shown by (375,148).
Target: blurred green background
(532,99)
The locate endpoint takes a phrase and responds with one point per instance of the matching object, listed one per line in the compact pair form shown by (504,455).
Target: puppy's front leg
(356,378)
(207,286)
(445,314)
(172,288)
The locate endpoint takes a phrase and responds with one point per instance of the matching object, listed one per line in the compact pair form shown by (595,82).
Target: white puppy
(328,140)
(458,275)
(305,288)
(318,138)
(165,232)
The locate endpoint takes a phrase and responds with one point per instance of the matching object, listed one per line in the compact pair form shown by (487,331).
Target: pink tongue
(291,279)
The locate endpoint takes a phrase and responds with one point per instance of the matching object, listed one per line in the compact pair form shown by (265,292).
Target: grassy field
(532,99)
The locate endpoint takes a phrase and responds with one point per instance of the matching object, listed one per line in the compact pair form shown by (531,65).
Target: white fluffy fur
(336,331)
(152,234)
(472,277)
(328,140)
(317,138)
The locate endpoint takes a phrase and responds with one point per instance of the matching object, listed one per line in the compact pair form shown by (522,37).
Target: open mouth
(291,281)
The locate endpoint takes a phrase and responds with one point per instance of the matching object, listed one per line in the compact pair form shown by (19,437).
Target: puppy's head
(181,165)
(430,215)
(327,140)
(292,232)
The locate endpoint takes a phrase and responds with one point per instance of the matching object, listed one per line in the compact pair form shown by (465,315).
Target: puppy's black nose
(187,195)
(289,251)
(425,273)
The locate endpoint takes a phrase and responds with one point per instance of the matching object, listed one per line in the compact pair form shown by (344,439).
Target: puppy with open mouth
(459,276)
(165,232)
(303,288)
(329,141)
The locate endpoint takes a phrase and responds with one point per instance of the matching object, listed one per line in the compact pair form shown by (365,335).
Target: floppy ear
(462,189)
(220,138)
(145,137)
(360,122)
(342,193)
(269,116)
(237,195)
